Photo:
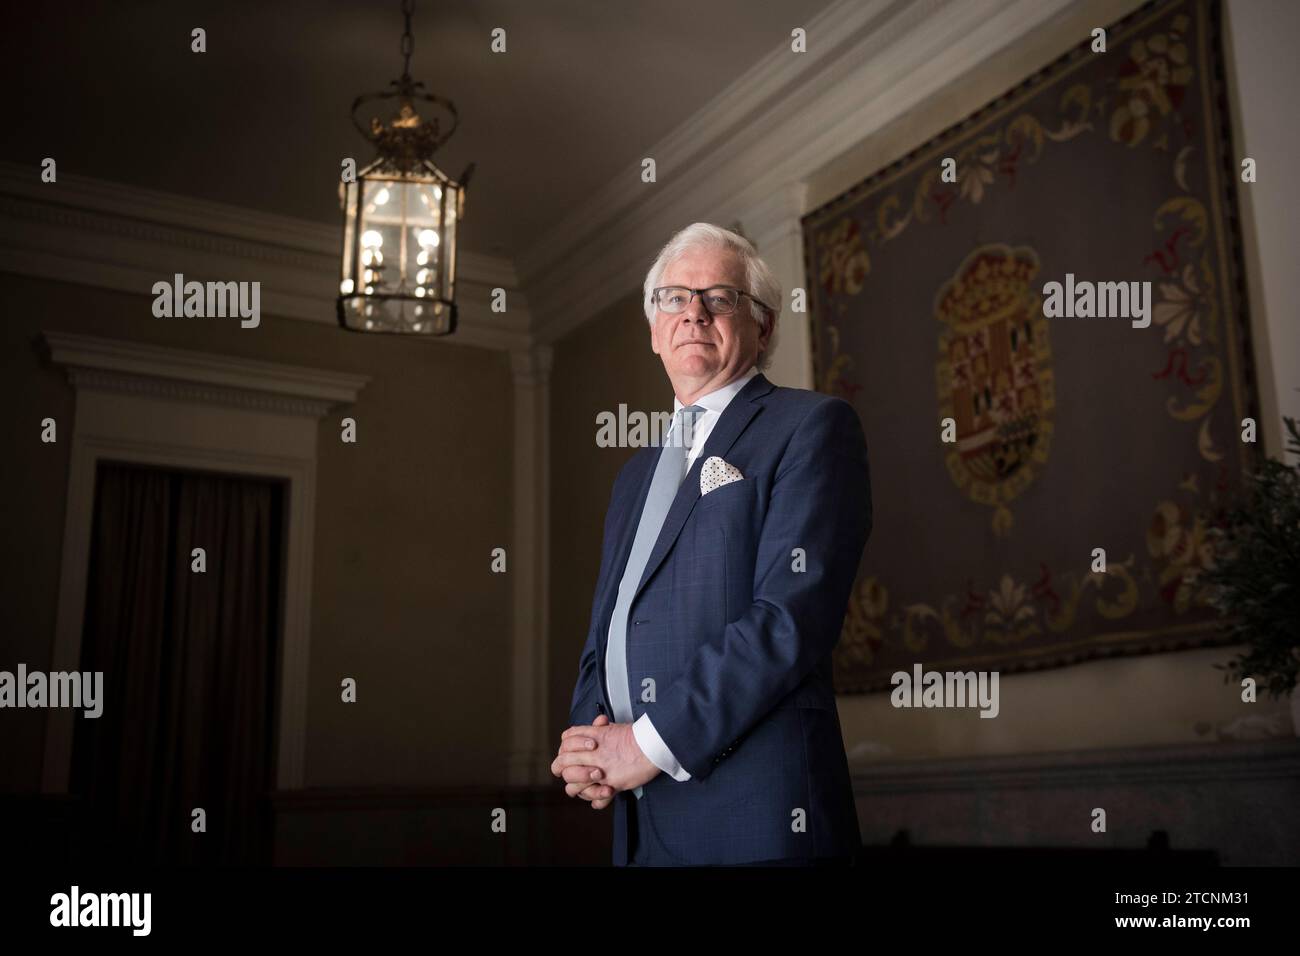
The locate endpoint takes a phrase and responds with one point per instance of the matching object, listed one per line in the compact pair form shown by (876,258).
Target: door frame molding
(150,405)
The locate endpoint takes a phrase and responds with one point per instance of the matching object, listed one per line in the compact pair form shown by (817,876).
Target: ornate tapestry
(1008,445)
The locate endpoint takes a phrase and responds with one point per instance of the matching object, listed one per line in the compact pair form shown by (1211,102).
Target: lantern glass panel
(399,251)
(449,229)
(347,198)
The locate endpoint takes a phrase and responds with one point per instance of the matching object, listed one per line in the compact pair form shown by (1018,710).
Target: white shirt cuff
(656,751)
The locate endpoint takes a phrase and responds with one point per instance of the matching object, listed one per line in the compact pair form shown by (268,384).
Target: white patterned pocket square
(717,473)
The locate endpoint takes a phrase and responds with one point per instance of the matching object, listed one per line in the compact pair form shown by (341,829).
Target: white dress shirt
(647,738)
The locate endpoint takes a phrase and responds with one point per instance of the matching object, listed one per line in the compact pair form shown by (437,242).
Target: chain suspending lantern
(402,216)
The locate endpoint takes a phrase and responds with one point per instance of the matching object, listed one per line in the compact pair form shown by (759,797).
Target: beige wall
(1157,699)
(1264,77)
(405,519)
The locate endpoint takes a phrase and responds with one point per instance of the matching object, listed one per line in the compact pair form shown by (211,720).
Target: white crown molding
(141,369)
(172,390)
(773,128)
(768,81)
(125,238)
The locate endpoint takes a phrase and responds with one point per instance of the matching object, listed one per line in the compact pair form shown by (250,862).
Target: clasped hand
(598,760)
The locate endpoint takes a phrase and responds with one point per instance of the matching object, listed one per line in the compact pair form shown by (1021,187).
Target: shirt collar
(719,399)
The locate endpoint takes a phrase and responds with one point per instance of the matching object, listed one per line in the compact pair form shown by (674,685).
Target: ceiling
(111,90)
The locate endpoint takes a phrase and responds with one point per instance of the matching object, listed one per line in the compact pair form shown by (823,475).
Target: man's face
(703,352)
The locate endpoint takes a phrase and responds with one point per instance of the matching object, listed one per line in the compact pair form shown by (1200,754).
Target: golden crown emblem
(993,283)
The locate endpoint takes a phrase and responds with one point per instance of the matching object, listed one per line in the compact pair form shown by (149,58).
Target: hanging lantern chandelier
(401,217)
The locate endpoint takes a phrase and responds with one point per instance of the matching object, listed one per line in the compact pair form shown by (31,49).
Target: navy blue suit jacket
(738,642)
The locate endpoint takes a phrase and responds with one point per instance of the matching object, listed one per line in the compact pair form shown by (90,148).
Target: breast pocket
(721,514)
(736,494)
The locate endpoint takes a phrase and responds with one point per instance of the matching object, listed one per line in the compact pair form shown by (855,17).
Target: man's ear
(764,329)
(654,339)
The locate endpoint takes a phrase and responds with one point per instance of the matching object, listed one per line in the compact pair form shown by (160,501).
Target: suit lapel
(622,547)
(735,417)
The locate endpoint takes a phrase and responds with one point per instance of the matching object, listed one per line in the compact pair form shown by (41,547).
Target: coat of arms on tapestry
(1038,317)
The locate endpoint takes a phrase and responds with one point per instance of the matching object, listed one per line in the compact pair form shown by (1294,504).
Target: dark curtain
(189,662)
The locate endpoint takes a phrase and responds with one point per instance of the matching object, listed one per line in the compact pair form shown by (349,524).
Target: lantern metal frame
(405,144)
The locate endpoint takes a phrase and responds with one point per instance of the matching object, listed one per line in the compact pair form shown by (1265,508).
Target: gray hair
(758,277)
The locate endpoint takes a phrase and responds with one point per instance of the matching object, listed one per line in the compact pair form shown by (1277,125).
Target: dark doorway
(190,662)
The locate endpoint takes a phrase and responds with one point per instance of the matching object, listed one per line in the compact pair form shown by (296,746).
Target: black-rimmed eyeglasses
(718,299)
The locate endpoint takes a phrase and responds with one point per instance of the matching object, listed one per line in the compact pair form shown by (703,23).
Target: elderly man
(704,708)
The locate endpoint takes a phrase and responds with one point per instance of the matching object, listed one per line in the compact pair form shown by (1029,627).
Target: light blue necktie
(663,489)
